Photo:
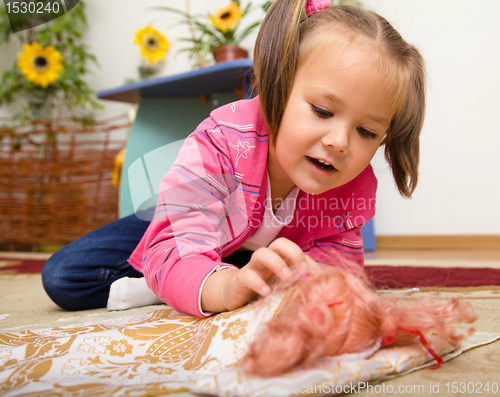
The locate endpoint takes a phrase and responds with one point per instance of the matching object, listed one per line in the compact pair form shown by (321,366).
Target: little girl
(264,185)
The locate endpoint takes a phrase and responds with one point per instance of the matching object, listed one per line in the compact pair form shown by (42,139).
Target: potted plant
(55,183)
(219,34)
(153,46)
(48,74)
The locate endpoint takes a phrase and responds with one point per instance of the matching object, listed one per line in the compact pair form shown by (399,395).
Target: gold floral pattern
(119,348)
(235,329)
(161,370)
(164,352)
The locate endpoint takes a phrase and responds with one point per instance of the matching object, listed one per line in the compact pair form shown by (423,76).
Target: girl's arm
(197,199)
(229,289)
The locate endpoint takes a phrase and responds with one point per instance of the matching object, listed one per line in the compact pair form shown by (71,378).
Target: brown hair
(283,43)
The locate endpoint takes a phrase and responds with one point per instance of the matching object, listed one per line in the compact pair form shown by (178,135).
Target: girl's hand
(229,289)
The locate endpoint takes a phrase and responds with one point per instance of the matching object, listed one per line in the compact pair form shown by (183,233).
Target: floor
(23,299)
(481,255)
(26,305)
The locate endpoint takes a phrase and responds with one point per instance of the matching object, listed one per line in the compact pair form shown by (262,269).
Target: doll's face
(338,113)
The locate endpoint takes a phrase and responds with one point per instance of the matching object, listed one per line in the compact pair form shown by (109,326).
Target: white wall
(113,23)
(458,191)
(459,187)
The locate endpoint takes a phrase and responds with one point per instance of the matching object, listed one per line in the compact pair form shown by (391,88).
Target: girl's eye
(365,133)
(320,112)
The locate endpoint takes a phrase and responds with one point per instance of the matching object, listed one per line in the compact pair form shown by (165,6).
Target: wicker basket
(55,180)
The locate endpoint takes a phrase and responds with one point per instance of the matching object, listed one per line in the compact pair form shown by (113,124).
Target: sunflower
(227,18)
(117,169)
(152,43)
(40,65)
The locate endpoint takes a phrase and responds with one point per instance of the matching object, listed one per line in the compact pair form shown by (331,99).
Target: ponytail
(402,142)
(275,59)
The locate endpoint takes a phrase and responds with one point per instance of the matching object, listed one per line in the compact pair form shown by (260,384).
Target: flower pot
(229,52)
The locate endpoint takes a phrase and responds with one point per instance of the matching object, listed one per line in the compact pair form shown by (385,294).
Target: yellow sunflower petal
(117,168)
(227,18)
(152,44)
(42,66)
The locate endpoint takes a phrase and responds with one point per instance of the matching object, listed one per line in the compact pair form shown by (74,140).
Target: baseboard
(453,242)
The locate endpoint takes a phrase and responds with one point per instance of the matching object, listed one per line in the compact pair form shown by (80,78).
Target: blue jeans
(78,276)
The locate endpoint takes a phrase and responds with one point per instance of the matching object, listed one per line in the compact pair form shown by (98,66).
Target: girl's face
(338,112)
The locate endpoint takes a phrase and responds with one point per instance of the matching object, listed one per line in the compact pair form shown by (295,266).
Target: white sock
(126,293)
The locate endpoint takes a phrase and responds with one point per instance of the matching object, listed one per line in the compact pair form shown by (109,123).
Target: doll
(334,312)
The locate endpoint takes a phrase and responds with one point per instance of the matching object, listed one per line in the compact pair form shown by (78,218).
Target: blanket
(163,352)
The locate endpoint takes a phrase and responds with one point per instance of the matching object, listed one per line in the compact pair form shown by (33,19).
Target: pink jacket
(212,200)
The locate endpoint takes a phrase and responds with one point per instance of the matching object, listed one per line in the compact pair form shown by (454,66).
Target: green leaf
(247,31)
(247,9)
(203,32)
(169,9)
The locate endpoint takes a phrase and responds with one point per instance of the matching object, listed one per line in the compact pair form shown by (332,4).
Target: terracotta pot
(229,52)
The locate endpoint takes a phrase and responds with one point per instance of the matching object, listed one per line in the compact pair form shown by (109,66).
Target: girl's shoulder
(243,114)
(237,133)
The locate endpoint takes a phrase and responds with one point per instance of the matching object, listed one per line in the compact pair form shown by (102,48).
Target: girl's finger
(291,253)
(268,262)
(252,280)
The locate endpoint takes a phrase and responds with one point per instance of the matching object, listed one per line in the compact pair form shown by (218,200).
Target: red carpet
(381,276)
(409,276)
(20,265)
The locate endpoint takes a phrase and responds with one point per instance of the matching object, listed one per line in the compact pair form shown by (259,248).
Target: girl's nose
(338,139)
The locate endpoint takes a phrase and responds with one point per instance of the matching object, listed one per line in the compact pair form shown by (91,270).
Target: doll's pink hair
(334,312)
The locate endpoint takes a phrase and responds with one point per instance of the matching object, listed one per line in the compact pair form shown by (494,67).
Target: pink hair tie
(313,6)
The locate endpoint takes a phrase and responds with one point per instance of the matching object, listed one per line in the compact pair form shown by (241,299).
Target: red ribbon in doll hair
(388,340)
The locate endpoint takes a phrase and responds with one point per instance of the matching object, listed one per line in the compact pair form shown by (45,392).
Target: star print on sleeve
(242,148)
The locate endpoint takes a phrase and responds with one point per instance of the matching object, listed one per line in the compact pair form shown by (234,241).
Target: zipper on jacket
(237,240)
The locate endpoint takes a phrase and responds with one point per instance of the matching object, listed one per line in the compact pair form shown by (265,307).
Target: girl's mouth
(321,164)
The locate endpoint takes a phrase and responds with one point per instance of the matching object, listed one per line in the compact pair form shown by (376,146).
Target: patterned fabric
(163,352)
